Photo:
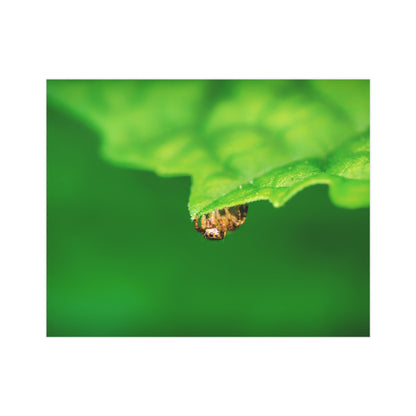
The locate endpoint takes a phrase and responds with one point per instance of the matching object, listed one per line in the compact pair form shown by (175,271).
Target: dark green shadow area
(124,260)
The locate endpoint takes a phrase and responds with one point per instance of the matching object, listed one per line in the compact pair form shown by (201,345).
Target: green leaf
(240,141)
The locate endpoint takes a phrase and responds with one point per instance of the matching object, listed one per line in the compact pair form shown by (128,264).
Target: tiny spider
(219,222)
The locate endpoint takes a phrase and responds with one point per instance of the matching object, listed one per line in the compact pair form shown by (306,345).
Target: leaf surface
(240,141)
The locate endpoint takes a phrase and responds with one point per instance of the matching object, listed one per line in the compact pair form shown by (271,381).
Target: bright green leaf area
(240,141)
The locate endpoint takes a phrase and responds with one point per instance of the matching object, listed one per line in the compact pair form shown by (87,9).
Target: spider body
(215,225)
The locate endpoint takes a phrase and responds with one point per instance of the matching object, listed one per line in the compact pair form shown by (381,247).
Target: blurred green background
(123,258)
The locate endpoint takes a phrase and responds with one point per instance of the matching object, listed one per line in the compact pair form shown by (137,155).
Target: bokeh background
(123,258)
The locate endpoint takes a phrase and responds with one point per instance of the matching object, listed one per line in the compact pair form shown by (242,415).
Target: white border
(221,376)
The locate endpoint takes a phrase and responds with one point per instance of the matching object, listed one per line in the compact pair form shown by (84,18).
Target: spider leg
(196,224)
(200,229)
(243,213)
(232,222)
(220,221)
(211,221)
